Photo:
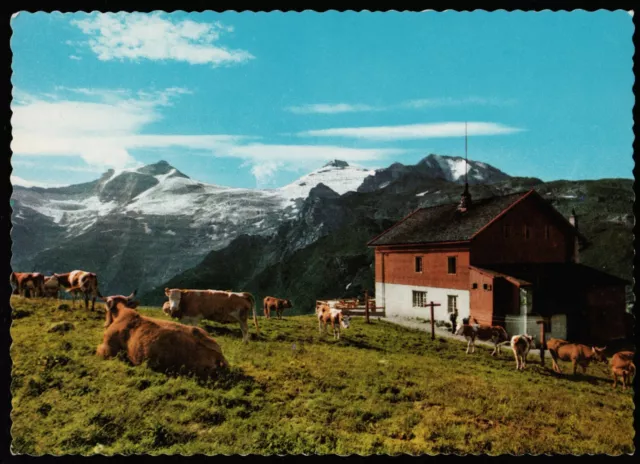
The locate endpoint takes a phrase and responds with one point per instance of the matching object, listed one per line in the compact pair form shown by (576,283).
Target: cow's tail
(255,317)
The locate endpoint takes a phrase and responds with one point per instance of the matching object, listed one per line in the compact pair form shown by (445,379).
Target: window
(419,299)
(546,232)
(418,263)
(526,231)
(474,286)
(451,264)
(506,230)
(452,303)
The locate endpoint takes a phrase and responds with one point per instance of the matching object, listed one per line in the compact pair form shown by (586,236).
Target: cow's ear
(166,291)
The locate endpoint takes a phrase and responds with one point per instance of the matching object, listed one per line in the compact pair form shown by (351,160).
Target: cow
(33,282)
(495,333)
(579,355)
(521,345)
(166,346)
(213,305)
(51,287)
(622,366)
(76,282)
(327,314)
(278,305)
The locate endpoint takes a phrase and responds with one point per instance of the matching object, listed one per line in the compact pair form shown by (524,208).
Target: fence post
(366,305)
(433,331)
(542,341)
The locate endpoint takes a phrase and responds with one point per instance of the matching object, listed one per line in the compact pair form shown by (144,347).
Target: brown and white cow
(77,282)
(32,282)
(326,315)
(213,305)
(578,354)
(166,346)
(521,345)
(51,287)
(278,305)
(493,333)
(622,366)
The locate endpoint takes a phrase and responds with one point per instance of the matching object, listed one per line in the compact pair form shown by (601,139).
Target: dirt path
(413,323)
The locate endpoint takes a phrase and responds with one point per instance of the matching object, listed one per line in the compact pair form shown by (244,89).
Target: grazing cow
(213,305)
(495,333)
(167,346)
(622,366)
(327,314)
(521,345)
(578,354)
(33,282)
(83,282)
(51,287)
(275,304)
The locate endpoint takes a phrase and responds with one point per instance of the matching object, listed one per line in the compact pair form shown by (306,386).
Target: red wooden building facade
(504,260)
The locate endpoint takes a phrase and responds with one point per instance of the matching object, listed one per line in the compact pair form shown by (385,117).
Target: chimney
(573,219)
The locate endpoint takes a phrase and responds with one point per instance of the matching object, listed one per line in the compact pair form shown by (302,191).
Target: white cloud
(15,180)
(264,173)
(330,108)
(156,36)
(448,101)
(102,126)
(75,57)
(414,131)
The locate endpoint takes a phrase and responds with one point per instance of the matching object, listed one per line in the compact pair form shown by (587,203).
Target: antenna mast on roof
(466,162)
(465,199)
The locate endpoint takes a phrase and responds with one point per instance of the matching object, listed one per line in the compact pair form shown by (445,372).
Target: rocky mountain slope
(151,223)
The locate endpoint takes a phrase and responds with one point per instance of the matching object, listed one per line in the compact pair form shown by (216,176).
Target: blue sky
(246,100)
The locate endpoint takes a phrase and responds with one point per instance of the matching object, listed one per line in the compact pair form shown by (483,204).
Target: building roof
(444,223)
(565,275)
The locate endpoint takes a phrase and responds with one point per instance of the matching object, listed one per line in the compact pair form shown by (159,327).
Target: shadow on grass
(567,374)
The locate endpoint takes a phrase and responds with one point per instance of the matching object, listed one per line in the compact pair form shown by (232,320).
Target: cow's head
(599,354)
(287,304)
(529,339)
(111,305)
(346,321)
(174,295)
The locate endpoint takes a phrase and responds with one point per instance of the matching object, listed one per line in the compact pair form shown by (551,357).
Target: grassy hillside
(380,389)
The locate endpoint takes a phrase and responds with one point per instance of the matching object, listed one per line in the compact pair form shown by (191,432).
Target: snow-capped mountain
(338,175)
(142,226)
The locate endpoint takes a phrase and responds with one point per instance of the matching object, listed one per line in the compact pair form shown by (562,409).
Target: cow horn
(133,295)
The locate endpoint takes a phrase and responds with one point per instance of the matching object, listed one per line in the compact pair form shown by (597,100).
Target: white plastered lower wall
(398,301)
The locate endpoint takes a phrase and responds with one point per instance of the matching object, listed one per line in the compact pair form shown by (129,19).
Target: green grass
(381,389)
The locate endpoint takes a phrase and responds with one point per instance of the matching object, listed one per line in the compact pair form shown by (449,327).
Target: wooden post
(366,305)
(431,304)
(542,341)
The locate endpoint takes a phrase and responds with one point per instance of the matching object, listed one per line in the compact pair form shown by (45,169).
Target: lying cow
(278,305)
(579,355)
(31,282)
(622,366)
(213,305)
(474,332)
(327,314)
(167,346)
(80,282)
(51,287)
(521,345)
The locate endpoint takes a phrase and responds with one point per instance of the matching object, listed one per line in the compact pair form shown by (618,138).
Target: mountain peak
(336,164)
(160,168)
